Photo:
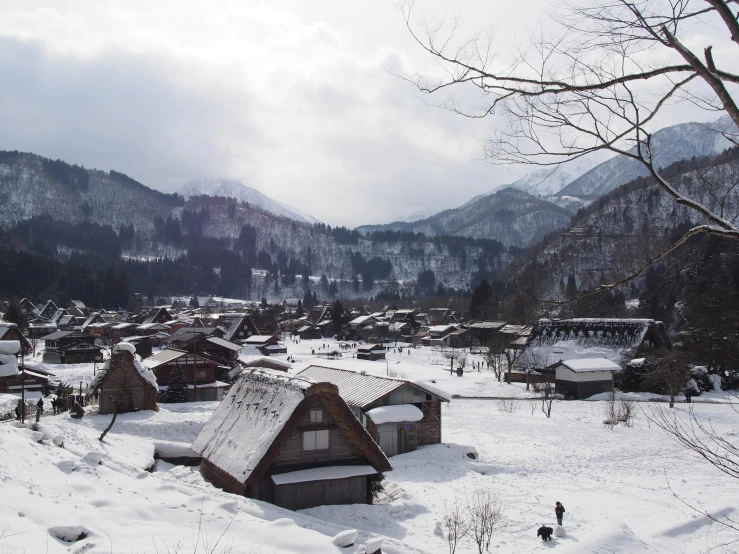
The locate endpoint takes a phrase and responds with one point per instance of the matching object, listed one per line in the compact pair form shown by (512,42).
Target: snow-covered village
(369,277)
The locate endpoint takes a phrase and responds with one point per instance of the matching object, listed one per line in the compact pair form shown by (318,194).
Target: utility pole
(194,366)
(23,388)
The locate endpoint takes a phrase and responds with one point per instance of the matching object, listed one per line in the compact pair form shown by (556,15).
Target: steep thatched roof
(252,424)
(618,340)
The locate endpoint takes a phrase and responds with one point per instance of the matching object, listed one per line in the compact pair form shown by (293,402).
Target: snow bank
(345,539)
(395,414)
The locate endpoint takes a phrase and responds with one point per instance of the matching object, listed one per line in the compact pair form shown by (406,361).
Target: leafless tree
(597,80)
(120,396)
(672,371)
(455,520)
(507,405)
(546,394)
(486,515)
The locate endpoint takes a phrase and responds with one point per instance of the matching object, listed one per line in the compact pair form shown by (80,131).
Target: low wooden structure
(580,379)
(371,352)
(289,441)
(364,393)
(71,347)
(124,384)
(203,374)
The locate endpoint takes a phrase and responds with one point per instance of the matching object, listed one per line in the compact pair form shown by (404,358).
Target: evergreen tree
(337,316)
(299,311)
(15,315)
(194,302)
(480,300)
(571,288)
(333,289)
(177,388)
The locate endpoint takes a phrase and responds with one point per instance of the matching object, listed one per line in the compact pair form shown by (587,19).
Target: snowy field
(613,482)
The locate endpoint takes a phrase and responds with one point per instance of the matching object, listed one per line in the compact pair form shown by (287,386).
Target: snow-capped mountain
(669,145)
(242,193)
(511,216)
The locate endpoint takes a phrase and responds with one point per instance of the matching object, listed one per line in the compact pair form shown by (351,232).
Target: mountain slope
(31,186)
(669,145)
(510,216)
(242,193)
(618,233)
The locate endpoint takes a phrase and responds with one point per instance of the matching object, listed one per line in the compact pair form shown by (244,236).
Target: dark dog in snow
(545,533)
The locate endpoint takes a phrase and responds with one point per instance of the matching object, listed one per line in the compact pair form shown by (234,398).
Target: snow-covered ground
(613,482)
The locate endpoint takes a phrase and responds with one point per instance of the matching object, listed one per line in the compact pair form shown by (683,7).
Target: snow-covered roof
(146,373)
(9,346)
(591,364)
(163,357)
(441,328)
(359,320)
(362,389)
(569,339)
(395,414)
(257,339)
(443,395)
(322,473)
(249,419)
(8,365)
(224,343)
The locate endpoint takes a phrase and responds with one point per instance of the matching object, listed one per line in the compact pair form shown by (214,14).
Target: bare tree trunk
(112,421)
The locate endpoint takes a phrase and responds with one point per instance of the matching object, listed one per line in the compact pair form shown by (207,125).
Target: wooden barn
(124,384)
(619,340)
(580,379)
(411,415)
(371,352)
(289,441)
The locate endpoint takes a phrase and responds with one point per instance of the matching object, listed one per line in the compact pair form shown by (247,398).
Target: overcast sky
(295,98)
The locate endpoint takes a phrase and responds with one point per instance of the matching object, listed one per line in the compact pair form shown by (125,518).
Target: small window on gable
(316,415)
(315,440)
(428,398)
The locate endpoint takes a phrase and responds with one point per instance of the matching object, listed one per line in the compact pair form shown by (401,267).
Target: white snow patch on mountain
(242,193)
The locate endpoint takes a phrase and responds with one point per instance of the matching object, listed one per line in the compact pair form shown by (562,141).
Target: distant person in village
(40,405)
(55,406)
(559,511)
(545,533)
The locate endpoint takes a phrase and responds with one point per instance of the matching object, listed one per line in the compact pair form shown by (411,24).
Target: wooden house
(184,337)
(237,327)
(319,313)
(94,317)
(202,374)
(440,316)
(46,311)
(483,332)
(10,331)
(71,347)
(582,378)
(619,340)
(124,384)
(371,352)
(310,331)
(412,410)
(8,363)
(289,441)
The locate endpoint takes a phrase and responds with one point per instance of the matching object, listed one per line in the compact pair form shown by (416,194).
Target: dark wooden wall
(578,391)
(123,381)
(299,496)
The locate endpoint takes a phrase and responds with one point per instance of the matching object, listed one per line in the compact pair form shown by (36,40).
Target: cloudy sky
(296,98)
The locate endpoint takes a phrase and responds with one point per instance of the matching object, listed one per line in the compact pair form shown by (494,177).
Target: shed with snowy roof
(290,441)
(124,384)
(412,409)
(584,377)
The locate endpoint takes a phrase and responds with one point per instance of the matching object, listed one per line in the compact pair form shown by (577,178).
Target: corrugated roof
(224,343)
(163,357)
(357,389)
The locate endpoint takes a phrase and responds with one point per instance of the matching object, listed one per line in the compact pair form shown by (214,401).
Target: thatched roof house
(290,441)
(618,340)
(126,382)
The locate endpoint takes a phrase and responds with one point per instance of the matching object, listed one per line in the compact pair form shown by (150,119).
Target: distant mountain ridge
(669,145)
(511,216)
(243,193)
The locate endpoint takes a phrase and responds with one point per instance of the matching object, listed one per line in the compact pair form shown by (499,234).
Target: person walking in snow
(559,511)
(40,405)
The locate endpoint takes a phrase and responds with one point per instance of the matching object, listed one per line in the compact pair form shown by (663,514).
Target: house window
(316,416)
(202,374)
(315,440)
